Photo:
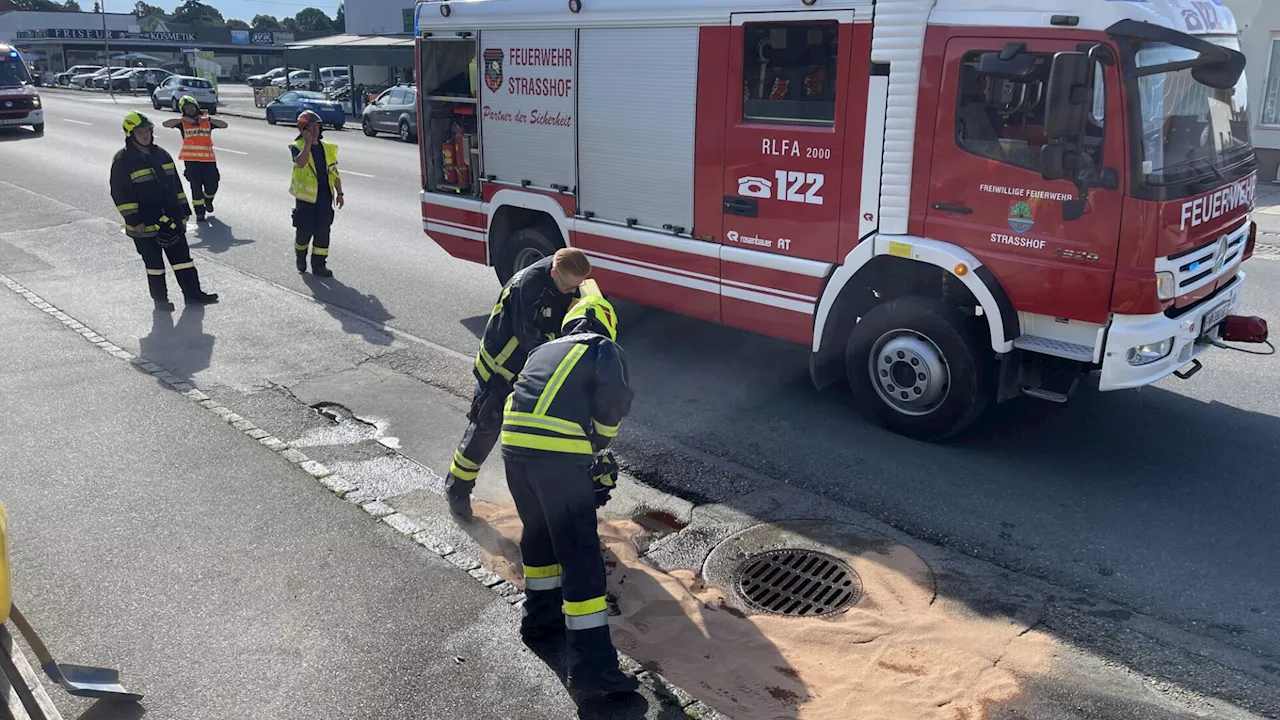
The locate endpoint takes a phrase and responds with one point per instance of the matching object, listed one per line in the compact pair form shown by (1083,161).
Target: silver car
(174,87)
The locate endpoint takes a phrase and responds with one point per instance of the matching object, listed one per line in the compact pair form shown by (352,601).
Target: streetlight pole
(106,46)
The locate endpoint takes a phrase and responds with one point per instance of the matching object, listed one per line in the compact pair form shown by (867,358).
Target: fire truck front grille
(1204,265)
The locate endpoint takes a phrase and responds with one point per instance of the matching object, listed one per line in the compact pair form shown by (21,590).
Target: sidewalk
(1267,212)
(222,581)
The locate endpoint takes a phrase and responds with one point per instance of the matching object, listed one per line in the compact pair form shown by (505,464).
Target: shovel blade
(92,682)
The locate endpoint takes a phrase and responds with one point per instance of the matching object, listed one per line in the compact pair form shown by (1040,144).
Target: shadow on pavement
(216,236)
(475,325)
(336,297)
(183,349)
(15,134)
(110,710)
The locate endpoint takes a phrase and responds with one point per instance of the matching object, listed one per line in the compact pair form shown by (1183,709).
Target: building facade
(1259,23)
(55,41)
(385,18)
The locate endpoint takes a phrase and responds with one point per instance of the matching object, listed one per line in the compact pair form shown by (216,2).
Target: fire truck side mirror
(1067,96)
(1059,161)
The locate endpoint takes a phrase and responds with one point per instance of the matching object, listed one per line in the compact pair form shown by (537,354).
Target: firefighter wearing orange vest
(201,167)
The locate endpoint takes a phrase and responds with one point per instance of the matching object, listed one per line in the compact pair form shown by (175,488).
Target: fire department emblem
(1021,217)
(493,69)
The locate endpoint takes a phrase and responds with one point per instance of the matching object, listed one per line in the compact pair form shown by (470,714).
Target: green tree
(265,22)
(144,9)
(71,5)
(237,24)
(340,18)
(194,12)
(313,20)
(289,24)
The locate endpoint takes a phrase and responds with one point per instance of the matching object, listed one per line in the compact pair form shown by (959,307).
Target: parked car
(88,80)
(136,78)
(174,87)
(64,77)
(265,78)
(330,76)
(102,77)
(286,108)
(394,111)
(296,79)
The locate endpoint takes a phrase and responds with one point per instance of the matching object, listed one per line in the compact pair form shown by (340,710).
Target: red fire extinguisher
(450,172)
(462,151)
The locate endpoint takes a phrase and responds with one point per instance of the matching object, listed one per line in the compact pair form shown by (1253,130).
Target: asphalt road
(1161,499)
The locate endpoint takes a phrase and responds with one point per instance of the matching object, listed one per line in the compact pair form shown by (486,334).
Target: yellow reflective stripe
(505,355)
(557,379)
(483,370)
(152,228)
(184,266)
(542,571)
(462,461)
(609,431)
(136,174)
(494,365)
(543,422)
(168,166)
(155,272)
(299,246)
(320,251)
(497,308)
(197,203)
(541,442)
(126,207)
(585,607)
(462,473)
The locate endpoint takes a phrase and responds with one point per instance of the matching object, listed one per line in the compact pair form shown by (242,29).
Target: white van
(334,76)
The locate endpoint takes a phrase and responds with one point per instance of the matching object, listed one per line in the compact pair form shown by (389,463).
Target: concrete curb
(343,488)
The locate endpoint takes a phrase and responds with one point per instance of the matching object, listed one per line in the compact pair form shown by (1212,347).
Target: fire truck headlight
(35,102)
(1165,288)
(1147,354)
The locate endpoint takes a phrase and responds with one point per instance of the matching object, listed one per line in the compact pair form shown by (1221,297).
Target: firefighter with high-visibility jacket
(201,165)
(564,410)
(529,312)
(313,159)
(148,194)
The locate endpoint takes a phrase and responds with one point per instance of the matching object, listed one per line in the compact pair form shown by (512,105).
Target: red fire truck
(947,201)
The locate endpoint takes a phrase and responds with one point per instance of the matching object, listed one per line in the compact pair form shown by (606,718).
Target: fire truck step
(1057,348)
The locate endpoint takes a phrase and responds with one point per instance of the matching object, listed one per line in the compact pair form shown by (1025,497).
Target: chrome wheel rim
(909,372)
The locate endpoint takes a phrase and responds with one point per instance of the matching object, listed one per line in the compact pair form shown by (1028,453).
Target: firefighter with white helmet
(564,409)
(148,194)
(201,165)
(318,189)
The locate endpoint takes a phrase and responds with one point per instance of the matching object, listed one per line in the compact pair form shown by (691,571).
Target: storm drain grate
(800,583)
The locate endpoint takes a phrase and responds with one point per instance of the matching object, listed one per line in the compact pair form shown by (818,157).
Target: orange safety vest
(197,141)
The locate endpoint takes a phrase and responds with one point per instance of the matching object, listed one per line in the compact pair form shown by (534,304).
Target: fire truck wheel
(523,249)
(918,367)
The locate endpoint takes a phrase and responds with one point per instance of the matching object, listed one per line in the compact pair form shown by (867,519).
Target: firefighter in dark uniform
(529,312)
(563,411)
(148,194)
(317,185)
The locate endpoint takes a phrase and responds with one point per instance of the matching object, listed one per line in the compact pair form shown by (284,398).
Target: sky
(241,9)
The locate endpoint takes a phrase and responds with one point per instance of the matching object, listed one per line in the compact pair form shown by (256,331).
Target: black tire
(155,103)
(271,118)
(38,128)
(522,249)
(338,126)
(936,330)
(173,105)
(367,127)
(406,135)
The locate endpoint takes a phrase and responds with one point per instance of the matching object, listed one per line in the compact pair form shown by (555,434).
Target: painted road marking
(353,172)
(237,152)
(78,122)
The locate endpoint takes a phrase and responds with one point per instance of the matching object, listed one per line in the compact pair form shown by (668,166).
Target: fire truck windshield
(1192,134)
(13,73)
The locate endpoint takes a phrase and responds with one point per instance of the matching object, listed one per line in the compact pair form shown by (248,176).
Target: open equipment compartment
(448,76)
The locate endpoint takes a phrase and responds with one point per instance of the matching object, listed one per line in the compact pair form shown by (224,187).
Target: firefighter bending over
(148,194)
(201,166)
(529,312)
(564,409)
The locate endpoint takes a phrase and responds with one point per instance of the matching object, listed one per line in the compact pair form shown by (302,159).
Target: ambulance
(948,202)
(19,101)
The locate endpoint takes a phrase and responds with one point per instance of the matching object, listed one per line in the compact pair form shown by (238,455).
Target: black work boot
(593,665)
(302,260)
(163,304)
(208,205)
(319,266)
(542,621)
(458,493)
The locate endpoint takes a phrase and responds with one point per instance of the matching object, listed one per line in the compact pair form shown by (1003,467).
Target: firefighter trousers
(312,222)
(184,270)
(483,429)
(563,566)
(203,178)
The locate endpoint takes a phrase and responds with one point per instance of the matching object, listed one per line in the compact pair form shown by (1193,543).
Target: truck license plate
(14,121)
(1213,317)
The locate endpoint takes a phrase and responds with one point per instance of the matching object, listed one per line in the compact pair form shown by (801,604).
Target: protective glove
(169,233)
(604,476)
